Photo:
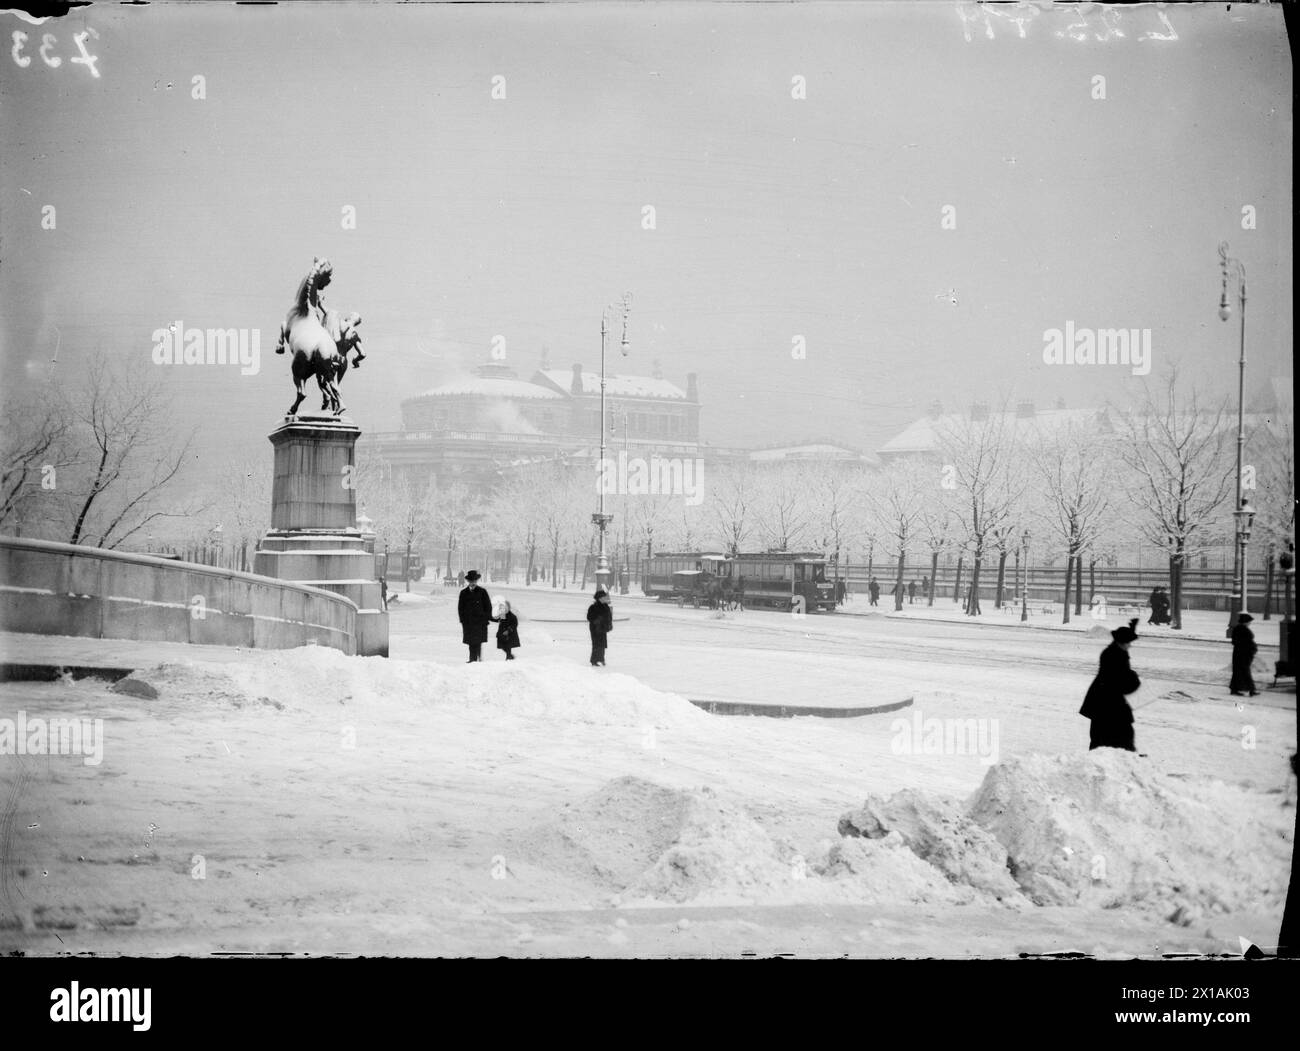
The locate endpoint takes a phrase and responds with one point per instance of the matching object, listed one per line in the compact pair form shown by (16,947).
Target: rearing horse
(323,353)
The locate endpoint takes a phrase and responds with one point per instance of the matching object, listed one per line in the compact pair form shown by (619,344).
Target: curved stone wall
(67,589)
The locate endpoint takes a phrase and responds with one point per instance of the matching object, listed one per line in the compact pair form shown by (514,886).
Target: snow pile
(316,677)
(1106,829)
(653,842)
(938,833)
(883,871)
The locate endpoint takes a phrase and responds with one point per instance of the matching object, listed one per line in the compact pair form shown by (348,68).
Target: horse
(323,353)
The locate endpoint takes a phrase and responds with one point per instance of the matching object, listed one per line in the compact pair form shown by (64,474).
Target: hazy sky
(776,217)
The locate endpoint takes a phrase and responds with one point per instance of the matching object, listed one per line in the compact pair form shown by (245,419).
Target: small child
(508,632)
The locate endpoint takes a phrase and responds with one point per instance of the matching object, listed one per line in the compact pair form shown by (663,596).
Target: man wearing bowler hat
(475,609)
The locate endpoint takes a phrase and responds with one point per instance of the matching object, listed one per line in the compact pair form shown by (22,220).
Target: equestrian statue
(319,340)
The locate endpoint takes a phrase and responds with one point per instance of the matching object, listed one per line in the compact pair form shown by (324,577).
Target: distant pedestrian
(874,589)
(600,621)
(460,578)
(1105,703)
(474,608)
(1159,602)
(925,587)
(383,590)
(1243,654)
(507,631)
(911,591)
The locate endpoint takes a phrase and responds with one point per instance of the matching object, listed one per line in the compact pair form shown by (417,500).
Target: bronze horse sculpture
(319,340)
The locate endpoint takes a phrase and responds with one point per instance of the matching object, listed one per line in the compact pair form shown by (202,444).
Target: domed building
(473,427)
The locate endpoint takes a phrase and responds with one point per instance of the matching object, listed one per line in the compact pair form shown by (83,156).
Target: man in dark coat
(1105,703)
(911,591)
(1243,653)
(600,620)
(874,589)
(475,610)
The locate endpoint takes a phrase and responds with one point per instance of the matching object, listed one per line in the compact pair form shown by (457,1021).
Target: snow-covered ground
(306,801)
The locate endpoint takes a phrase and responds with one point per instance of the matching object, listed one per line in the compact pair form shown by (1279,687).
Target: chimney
(575,387)
(979,411)
(935,410)
(1025,410)
(692,391)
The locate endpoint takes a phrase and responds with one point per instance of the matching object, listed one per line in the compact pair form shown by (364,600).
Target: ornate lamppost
(600,518)
(1024,590)
(1244,516)
(1236,270)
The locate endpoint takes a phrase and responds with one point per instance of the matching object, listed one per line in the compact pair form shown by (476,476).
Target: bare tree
(128,451)
(1181,471)
(782,512)
(987,468)
(34,448)
(245,489)
(836,495)
(900,489)
(732,500)
(937,525)
(1074,468)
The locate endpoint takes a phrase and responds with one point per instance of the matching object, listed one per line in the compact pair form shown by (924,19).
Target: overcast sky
(775,217)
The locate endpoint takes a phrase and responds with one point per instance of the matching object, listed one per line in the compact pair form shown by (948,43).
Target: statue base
(314,537)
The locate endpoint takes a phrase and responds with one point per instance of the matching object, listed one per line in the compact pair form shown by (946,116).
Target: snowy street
(309,802)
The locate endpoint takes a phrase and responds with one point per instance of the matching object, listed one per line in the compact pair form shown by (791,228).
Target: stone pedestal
(314,538)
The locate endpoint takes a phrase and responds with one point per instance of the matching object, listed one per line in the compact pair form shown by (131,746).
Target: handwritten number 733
(46,49)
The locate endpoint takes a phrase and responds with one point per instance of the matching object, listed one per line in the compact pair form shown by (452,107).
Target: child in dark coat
(507,631)
(600,620)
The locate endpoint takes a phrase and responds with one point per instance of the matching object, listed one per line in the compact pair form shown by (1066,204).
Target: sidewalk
(1198,625)
(102,657)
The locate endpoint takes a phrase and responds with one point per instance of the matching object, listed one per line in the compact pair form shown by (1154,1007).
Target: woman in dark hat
(1105,703)
(1243,654)
(475,610)
(600,620)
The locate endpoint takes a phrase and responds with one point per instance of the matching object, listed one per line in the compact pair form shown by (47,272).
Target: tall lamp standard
(602,520)
(1024,591)
(1236,269)
(1244,516)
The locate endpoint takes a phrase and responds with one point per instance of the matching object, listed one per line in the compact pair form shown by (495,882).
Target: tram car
(657,574)
(775,579)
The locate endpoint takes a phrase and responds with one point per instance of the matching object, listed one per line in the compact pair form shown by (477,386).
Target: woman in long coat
(600,620)
(475,609)
(507,631)
(1106,704)
(1243,653)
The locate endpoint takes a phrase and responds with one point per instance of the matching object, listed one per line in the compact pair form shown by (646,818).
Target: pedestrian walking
(1243,653)
(475,610)
(874,588)
(1106,703)
(600,621)
(507,631)
(911,592)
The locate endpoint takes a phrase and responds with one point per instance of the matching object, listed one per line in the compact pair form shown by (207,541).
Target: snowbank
(319,678)
(1106,829)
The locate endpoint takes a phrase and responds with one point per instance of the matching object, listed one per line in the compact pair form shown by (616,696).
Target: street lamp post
(1234,268)
(1244,516)
(601,519)
(1024,591)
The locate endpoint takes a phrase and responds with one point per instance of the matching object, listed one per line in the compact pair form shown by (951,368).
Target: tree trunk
(1078,584)
(1268,587)
(406,569)
(1092,582)
(973,604)
(1069,579)
(1002,576)
(555,565)
(934,575)
(1176,590)
(956,587)
(898,582)
(532,558)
